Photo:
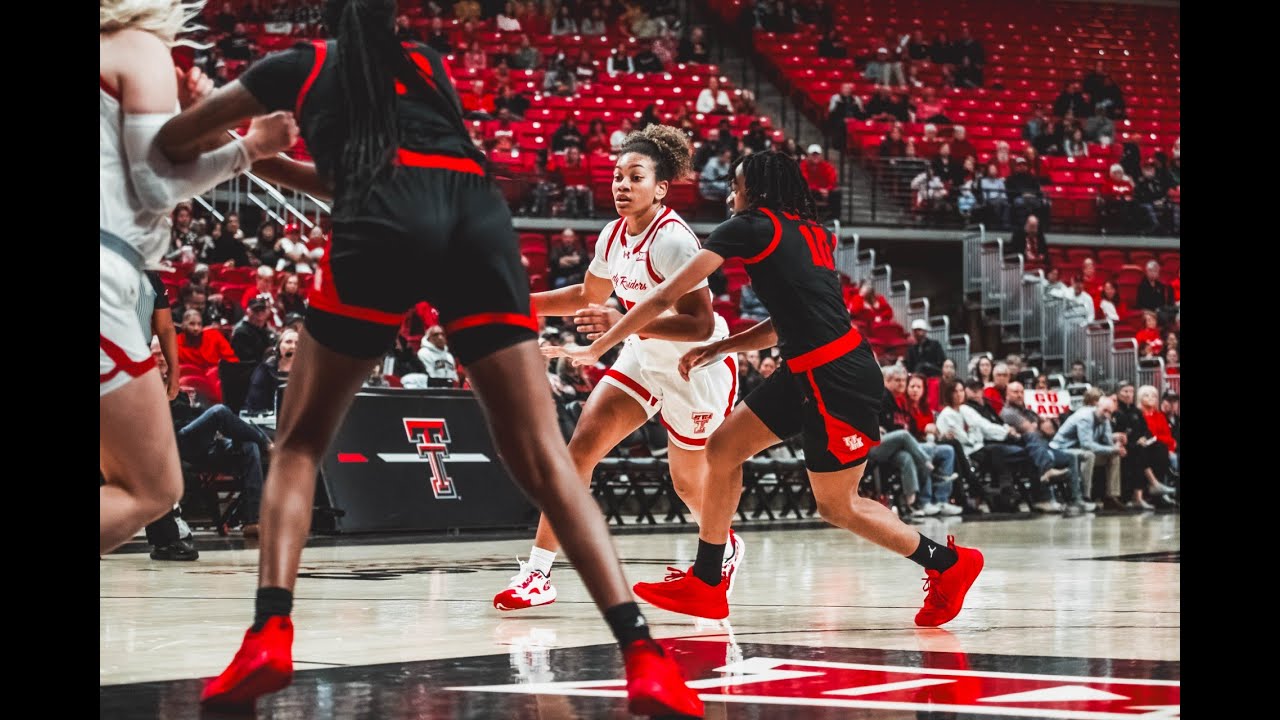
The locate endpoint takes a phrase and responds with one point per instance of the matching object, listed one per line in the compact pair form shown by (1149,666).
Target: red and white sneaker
(263,665)
(655,685)
(681,592)
(729,570)
(947,589)
(528,588)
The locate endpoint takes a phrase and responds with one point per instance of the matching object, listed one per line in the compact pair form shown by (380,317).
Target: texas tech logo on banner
(431,437)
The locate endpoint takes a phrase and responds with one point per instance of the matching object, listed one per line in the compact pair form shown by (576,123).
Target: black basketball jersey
(791,263)
(305,80)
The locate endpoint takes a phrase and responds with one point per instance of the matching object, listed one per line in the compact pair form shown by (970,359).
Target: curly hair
(774,181)
(667,146)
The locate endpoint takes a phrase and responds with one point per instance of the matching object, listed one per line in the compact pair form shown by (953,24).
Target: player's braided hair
(668,147)
(370,60)
(773,181)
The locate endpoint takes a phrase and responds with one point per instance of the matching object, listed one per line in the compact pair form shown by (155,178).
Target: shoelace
(674,574)
(935,596)
(525,572)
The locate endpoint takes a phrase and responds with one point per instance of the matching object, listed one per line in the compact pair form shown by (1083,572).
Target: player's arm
(205,124)
(283,170)
(162,328)
(694,320)
(565,301)
(758,337)
(667,294)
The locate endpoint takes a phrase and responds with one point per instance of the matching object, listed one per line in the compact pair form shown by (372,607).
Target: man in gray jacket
(1089,429)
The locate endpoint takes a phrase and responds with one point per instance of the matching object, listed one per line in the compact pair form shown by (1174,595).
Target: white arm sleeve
(160,184)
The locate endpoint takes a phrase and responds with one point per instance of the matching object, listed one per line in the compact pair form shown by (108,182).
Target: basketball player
(415,217)
(828,390)
(634,254)
(138,187)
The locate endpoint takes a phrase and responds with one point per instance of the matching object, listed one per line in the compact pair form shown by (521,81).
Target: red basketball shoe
(947,589)
(654,683)
(683,593)
(263,665)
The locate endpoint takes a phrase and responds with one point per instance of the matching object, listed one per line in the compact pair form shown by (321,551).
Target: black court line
(415,690)
(1165,556)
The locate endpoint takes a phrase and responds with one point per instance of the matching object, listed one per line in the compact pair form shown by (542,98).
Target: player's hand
(270,134)
(582,356)
(193,86)
(172,386)
(595,320)
(695,359)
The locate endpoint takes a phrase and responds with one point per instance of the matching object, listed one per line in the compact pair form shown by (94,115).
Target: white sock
(541,560)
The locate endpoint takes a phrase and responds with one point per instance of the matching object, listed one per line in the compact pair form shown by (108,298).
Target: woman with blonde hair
(140,88)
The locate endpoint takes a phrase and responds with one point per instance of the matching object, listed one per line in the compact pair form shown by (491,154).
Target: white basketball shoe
(528,588)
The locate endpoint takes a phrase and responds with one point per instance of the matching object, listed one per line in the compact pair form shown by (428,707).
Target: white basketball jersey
(119,210)
(637,264)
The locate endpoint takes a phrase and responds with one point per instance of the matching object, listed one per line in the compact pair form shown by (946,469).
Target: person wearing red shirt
(823,181)
(869,307)
(994,393)
(1160,447)
(575,173)
(1116,199)
(918,405)
(1092,280)
(199,351)
(478,104)
(1150,335)
(266,286)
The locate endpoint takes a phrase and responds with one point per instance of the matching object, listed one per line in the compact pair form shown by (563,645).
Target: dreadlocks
(773,180)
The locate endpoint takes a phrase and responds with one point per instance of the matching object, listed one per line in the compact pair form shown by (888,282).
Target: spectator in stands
(749,378)
(713,100)
(620,60)
(507,21)
(868,306)
(405,31)
(563,23)
(1116,200)
(823,181)
(750,307)
(478,104)
(842,106)
(1162,447)
(1079,300)
(466,10)
(220,439)
(1152,293)
(980,367)
(967,75)
(917,403)
(697,36)
(832,45)
(199,348)
(510,105)
(1071,100)
(929,107)
(947,167)
(440,365)
(1050,140)
(995,392)
(1149,193)
(597,138)
(892,145)
(1150,339)
(961,148)
(767,366)
(438,37)
(1025,195)
(1109,302)
(584,68)
(917,462)
(1099,128)
(931,191)
(567,260)
(290,300)
(993,197)
(625,129)
(559,79)
(1029,241)
(475,58)
(594,24)
(713,183)
(756,138)
(1137,465)
(1050,463)
(567,135)
(996,440)
(181,234)
(880,106)
(926,356)
(899,106)
(917,49)
(968,46)
(228,245)
(270,373)
(1053,285)
(942,52)
(882,69)
(646,60)
(237,45)
(1075,145)
(264,250)
(526,57)
(252,336)
(1110,99)
(1089,429)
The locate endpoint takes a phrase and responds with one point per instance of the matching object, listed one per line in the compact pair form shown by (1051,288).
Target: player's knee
(723,451)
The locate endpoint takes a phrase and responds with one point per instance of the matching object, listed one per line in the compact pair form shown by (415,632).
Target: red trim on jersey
(653,229)
(321,50)
(648,259)
(102,82)
(635,386)
(613,236)
(696,442)
(325,297)
(826,353)
(838,430)
(124,363)
(773,244)
(443,162)
(733,390)
(494,318)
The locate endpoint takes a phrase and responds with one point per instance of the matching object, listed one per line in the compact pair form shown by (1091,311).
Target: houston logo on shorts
(700,420)
(853,442)
(431,437)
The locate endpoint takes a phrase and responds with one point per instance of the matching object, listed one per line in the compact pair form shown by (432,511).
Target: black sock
(627,623)
(272,601)
(709,565)
(933,555)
